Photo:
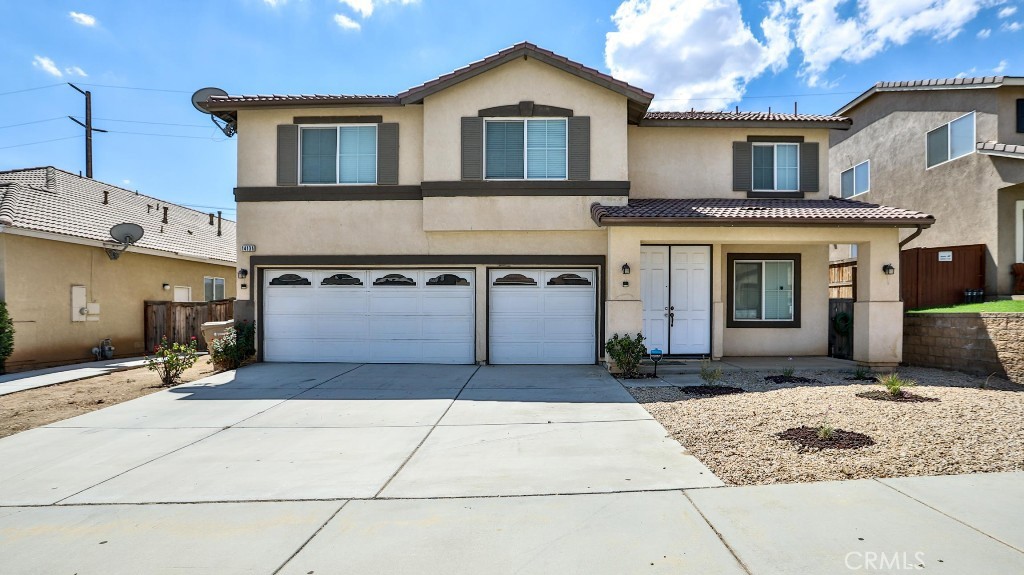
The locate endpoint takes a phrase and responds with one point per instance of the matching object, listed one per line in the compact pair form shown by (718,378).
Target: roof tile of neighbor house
(996,148)
(55,201)
(936,84)
(719,211)
(743,116)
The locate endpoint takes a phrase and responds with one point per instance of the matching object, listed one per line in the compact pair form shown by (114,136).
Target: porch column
(878,311)
(717,302)
(623,310)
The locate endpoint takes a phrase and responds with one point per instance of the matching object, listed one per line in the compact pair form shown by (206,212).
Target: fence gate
(840,328)
(931,277)
(181,321)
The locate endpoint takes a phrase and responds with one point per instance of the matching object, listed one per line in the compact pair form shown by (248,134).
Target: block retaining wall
(975,343)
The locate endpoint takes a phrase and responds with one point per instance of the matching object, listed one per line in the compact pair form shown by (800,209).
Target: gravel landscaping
(975,426)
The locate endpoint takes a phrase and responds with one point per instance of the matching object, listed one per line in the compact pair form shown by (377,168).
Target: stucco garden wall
(976,343)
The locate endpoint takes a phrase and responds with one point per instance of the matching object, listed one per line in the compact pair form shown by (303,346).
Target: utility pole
(88,128)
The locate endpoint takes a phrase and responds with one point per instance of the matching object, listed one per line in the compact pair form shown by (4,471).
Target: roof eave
(1013,155)
(233,106)
(758,124)
(1006,81)
(752,222)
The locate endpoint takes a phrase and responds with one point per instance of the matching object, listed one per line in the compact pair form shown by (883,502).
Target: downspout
(911,237)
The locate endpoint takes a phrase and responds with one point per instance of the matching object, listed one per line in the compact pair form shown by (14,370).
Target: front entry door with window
(675,284)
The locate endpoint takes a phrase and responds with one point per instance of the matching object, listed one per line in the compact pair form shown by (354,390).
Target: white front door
(675,285)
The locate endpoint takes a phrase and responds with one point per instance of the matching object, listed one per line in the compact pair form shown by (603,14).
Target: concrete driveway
(331,468)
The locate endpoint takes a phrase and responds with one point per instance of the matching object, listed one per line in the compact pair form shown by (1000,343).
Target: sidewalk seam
(306,542)
(718,534)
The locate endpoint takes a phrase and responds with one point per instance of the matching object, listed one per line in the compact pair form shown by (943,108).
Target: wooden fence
(842,280)
(932,277)
(180,321)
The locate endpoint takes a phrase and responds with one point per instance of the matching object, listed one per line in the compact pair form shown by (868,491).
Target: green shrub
(861,372)
(6,335)
(170,360)
(627,353)
(234,347)
(711,376)
(826,430)
(788,372)
(895,384)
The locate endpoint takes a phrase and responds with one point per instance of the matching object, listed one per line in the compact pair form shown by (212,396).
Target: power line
(31,89)
(137,88)
(154,123)
(209,207)
(167,135)
(41,142)
(809,95)
(32,122)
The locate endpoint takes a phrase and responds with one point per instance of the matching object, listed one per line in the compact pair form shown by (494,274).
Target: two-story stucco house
(952,148)
(525,207)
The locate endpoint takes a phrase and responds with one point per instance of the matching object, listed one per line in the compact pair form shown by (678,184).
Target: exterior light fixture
(888,269)
(625,269)
(167,287)
(243,273)
(656,355)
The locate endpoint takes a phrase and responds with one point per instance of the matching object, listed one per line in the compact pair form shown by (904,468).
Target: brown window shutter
(387,153)
(287,155)
(809,166)
(579,148)
(472,148)
(742,167)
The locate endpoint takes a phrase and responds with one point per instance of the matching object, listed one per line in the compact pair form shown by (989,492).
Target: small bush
(170,360)
(788,372)
(826,430)
(861,372)
(711,376)
(234,347)
(627,353)
(6,336)
(894,384)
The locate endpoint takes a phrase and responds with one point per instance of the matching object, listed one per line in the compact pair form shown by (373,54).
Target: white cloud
(1000,68)
(46,65)
(83,18)
(984,33)
(363,7)
(75,71)
(693,53)
(1012,26)
(346,23)
(275,3)
(824,37)
(1007,11)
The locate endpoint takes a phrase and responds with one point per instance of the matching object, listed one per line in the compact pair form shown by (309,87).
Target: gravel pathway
(976,426)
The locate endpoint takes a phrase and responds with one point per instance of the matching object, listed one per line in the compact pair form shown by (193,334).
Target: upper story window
(951,141)
(529,149)
(856,180)
(776,167)
(338,155)
(1020,116)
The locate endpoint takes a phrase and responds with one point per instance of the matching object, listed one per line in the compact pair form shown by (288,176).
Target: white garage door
(542,316)
(368,316)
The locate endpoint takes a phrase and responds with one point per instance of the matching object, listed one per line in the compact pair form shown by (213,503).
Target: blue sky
(142,61)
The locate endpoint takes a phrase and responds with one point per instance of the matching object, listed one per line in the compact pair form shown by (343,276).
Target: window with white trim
(213,288)
(531,149)
(856,180)
(951,141)
(763,290)
(776,167)
(338,154)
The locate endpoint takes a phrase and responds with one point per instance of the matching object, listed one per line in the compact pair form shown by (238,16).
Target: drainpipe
(910,238)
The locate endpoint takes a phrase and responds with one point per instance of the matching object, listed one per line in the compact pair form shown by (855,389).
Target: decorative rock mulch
(807,438)
(789,379)
(906,396)
(709,390)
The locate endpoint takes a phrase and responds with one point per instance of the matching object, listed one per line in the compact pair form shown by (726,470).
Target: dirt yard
(975,426)
(36,407)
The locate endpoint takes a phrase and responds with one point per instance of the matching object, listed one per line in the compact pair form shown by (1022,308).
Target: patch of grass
(788,372)
(711,376)
(998,306)
(861,372)
(894,383)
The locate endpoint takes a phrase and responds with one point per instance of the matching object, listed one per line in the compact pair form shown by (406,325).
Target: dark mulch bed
(709,389)
(637,376)
(789,379)
(806,438)
(865,378)
(906,396)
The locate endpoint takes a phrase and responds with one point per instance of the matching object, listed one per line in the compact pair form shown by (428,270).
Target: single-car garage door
(368,316)
(542,316)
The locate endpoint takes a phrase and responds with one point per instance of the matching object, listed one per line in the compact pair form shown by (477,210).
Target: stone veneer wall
(975,343)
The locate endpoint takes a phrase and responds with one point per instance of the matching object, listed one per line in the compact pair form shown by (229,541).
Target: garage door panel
(341,327)
(578,328)
(515,301)
(291,326)
(568,352)
(341,350)
(514,352)
(444,351)
(340,300)
(510,328)
(396,328)
(294,349)
(289,301)
(446,327)
(568,303)
(444,304)
(385,301)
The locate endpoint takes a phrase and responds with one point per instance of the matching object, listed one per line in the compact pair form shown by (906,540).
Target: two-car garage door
(427,316)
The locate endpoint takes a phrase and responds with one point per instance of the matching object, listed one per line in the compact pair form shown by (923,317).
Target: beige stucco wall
(257,140)
(39,274)
(697,162)
(509,84)
(963,194)
(511,213)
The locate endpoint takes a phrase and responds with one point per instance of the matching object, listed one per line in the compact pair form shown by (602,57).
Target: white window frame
(526,145)
(792,313)
(854,170)
(775,166)
(337,152)
(224,287)
(949,140)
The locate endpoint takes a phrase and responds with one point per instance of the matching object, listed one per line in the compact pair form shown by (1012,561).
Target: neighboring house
(524,208)
(952,148)
(54,243)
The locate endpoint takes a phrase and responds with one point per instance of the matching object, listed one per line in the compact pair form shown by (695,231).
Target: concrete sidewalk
(12,382)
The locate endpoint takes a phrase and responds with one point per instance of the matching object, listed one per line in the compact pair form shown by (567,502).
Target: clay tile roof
(725,211)
(934,84)
(50,200)
(216,103)
(998,149)
(729,118)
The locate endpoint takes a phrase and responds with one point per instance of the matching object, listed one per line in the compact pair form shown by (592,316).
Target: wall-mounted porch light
(625,269)
(243,273)
(888,269)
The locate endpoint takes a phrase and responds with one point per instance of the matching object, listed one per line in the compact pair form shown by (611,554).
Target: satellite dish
(126,234)
(201,96)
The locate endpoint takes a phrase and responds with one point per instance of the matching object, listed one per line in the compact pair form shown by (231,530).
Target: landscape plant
(627,353)
(788,372)
(826,430)
(6,336)
(894,383)
(230,350)
(711,376)
(861,372)
(170,360)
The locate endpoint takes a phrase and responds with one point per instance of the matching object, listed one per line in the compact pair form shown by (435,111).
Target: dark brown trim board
(526,188)
(337,119)
(775,195)
(776,139)
(424,260)
(525,109)
(327,193)
(797,291)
